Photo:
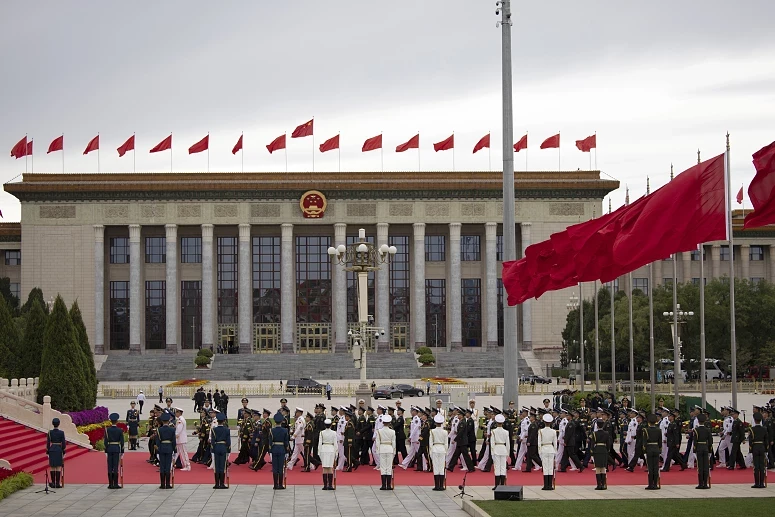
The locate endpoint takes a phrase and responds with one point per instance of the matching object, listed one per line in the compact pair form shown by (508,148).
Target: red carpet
(91,468)
(25,448)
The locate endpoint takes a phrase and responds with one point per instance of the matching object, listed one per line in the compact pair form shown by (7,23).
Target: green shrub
(205,352)
(427,359)
(99,446)
(423,350)
(201,360)
(9,343)
(31,352)
(15,483)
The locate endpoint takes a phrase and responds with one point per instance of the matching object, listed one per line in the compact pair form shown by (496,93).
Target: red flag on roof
(237,146)
(20,149)
(522,144)
(129,145)
(303,130)
(202,145)
(740,196)
(552,142)
(761,191)
(586,144)
(57,144)
(93,145)
(482,143)
(164,145)
(412,143)
(330,144)
(29,148)
(277,144)
(446,144)
(372,144)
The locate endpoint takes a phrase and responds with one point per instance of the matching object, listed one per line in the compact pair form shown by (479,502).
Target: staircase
(25,448)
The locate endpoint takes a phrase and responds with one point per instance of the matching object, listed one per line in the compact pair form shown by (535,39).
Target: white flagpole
(613,328)
(596,169)
(242,151)
(733,336)
(559,155)
(418,152)
(526,149)
(453,151)
(652,373)
(98,154)
(339,151)
(32,156)
(286,151)
(382,154)
(313,144)
(208,151)
(134,154)
(25,152)
(63,153)
(489,153)
(170,154)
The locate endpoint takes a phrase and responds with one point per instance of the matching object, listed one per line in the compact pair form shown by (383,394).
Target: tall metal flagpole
(632,342)
(208,151)
(581,338)
(676,345)
(489,154)
(339,154)
(25,152)
(613,328)
(652,360)
(418,151)
(597,345)
(703,386)
(63,153)
(453,151)
(286,152)
(510,352)
(526,150)
(32,156)
(134,154)
(98,155)
(242,151)
(382,155)
(733,337)
(559,155)
(313,144)
(170,154)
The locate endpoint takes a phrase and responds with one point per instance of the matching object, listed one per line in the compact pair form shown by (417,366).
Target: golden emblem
(313,204)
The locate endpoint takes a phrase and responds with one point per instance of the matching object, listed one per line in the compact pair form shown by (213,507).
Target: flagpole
(418,151)
(25,152)
(170,153)
(453,151)
(613,328)
(63,153)
(381,154)
(652,373)
(733,337)
(98,154)
(597,344)
(32,156)
(208,151)
(596,169)
(241,151)
(703,386)
(526,149)
(581,337)
(134,153)
(489,154)
(313,144)
(559,155)
(632,343)
(339,151)
(286,152)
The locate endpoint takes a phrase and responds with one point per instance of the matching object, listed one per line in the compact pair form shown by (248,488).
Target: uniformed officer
(309,447)
(281,448)
(221,440)
(133,425)
(298,437)
(703,445)
(165,444)
(758,440)
(547,447)
(327,447)
(652,439)
(385,442)
(738,436)
(598,443)
(499,449)
(673,442)
(351,455)
(439,447)
(55,449)
(114,448)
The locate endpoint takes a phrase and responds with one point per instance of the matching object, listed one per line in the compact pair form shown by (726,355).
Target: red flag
(29,148)
(412,143)
(584,145)
(446,144)
(202,145)
(522,144)
(552,142)
(93,145)
(20,149)
(164,145)
(129,145)
(303,130)
(740,196)
(372,143)
(330,144)
(237,146)
(57,144)
(761,191)
(277,144)
(482,143)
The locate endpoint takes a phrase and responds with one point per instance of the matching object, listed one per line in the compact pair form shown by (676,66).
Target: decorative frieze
(230,210)
(437,210)
(566,209)
(152,211)
(472,209)
(189,210)
(401,209)
(116,211)
(361,210)
(57,212)
(265,210)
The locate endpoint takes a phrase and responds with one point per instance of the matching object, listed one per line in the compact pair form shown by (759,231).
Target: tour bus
(714,369)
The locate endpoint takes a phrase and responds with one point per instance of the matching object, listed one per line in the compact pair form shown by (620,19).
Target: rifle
(62,481)
(121,472)
(228,484)
(172,477)
(285,470)
(334,476)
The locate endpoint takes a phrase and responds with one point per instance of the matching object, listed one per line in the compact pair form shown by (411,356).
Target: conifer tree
(30,351)
(9,342)
(90,372)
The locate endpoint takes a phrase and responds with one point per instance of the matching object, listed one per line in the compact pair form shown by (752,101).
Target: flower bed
(188,382)
(89,416)
(443,380)
(96,432)
(12,480)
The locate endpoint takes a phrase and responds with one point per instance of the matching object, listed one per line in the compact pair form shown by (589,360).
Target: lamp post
(677,317)
(576,302)
(362,257)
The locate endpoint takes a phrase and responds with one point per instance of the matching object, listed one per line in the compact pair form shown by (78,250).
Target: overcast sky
(657,81)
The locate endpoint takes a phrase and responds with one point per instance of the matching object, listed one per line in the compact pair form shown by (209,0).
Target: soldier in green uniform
(309,434)
(758,439)
(703,445)
(652,445)
(350,453)
(738,437)
(133,424)
(673,442)
(599,444)
(245,433)
(265,442)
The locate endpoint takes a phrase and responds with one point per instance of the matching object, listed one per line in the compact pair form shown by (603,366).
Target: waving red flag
(412,143)
(237,146)
(522,144)
(482,143)
(552,142)
(277,144)
(446,144)
(29,148)
(164,145)
(93,145)
(761,191)
(330,144)
(57,144)
(586,144)
(20,149)
(129,145)
(202,145)
(740,196)
(372,144)
(303,130)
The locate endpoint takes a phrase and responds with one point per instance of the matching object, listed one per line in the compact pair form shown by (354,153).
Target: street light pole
(678,316)
(581,335)
(597,346)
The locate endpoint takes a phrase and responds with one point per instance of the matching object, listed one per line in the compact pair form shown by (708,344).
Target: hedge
(15,481)
(201,360)
(205,352)
(427,359)
(423,350)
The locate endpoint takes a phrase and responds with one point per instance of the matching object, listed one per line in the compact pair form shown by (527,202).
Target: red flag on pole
(93,145)
(57,144)
(237,146)
(740,196)
(277,144)
(29,148)
(552,142)
(164,145)
(412,143)
(585,145)
(761,191)
(372,144)
(20,149)
(522,144)
(445,145)
(200,146)
(303,130)
(330,144)
(482,143)
(129,145)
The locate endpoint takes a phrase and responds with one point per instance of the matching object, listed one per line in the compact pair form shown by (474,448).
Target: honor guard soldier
(652,440)
(327,448)
(758,440)
(399,426)
(133,424)
(309,436)
(245,432)
(320,426)
(298,437)
(738,436)
(55,449)
(532,444)
(351,455)
(673,442)
(499,449)
(281,449)
(703,446)
(598,443)
(265,443)
(547,447)
(386,448)
(244,409)
(221,438)
(422,452)
(165,443)
(114,448)
(439,448)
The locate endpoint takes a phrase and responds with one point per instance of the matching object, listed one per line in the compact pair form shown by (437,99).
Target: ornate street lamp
(677,317)
(576,302)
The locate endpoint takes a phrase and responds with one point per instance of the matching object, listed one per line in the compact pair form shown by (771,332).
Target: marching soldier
(652,439)
(245,433)
(360,423)
(114,449)
(350,453)
(423,452)
(244,409)
(400,429)
(461,443)
(532,444)
(181,439)
(637,440)
(703,446)
(524,424)
(297,437)
(738,437)
(414,439)
(265,443)
(309,436)
(165,443)
(320,426)
(55,449)
(758,439)
(221,439)
(133,423)
(154,422)
(368,436)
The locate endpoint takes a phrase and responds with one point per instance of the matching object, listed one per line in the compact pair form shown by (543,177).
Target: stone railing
(24,388)
(39,416)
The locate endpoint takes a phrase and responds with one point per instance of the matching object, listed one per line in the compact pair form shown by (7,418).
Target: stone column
(418,284)
(491,285)
(687,266)
(340,293)
(208,294)
(171,283)
(657,270)
(454,292)
(527,305)
(715,260)
(382,305)
(287,288)
(245,291)
(136,294)
(745,260)
(99,289)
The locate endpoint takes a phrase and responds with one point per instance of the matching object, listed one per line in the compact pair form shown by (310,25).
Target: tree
(31,351)
(9,342)
(36,294)
(90,372)
(62,368)
(10,299)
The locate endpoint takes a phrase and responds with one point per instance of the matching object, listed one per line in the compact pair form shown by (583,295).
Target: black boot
(597,478)
(604,481)
(546,483)
(169,480)
(217,481)
(162,485)
(384,482)
(437,482)
(390,482)
(551,482)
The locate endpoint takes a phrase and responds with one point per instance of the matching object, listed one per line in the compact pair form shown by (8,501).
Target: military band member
(133,425)
(652,439)
(673,442)
(758,440)
(452,433)
(351,455)
(280,448)
(55,449)
(320,418)
(297,438)
(547,447)
(154,422)
(165,444)
(327,448)
(637,440)
(221,439)
(462,437)
(499,449)
(340,423)
(703,447)
(485,456)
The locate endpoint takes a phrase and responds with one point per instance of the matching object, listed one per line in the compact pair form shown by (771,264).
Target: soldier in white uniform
(499,447)
(547,448)
(440,409)
(181,439)
(663,427)
(378,424)
(483,463)
(523,426)
(439,447)
(327,452)
(414,438)
(474,411)
(340,437)
(726,437)
(298,438)
(631,437)
(386,447)
(452,435)
(692,456)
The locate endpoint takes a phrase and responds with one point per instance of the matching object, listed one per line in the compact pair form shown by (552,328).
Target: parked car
(539,379)
(305,385)
(411,391)
(397,391)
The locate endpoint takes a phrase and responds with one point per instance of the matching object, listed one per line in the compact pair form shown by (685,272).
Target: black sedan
(397,391)
(305,385)
(539,379)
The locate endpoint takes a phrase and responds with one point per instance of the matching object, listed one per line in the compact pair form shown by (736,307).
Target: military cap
(733,410)
(352,407)
(164,418)
(755,407)
(178,409)
(391,408)
(499,418)
(309,415)
(132,403)
(255,412)
(220,417)
(168,399)
(157,407)
(347,412)
(278,418)
(370,409)
(212,410)
(334,408)
(400,409)
(245,399)
(380,406)
(652,418)
(327,421)
(299,410)
(266,412)
(114,417)
(283,400)
(469,412)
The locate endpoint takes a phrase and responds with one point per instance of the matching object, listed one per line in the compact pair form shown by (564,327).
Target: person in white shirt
(452,435)
(378,424)
(440,409)
(663,427)
(523,426)
(474,411)
(181,439)
(298,437)
(414,439)
(484,463)
(726,437)
(547,448)
(327,452)
(340,423)
(386,447)
(499,448)
(632,435)
(439,446)
(560,441)
(141,400)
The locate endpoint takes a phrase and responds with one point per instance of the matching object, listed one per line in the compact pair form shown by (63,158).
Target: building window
(435,248)
(352,286)
(500,311)
(228,252)
(13,258)
(155,315)
(499,248)
(191,314)
(725,252)
(756,253)
(472,311)
(616,285)
(642,284)
(190,250)
(119,250)
(756,279)
(399,280)
(16,290)
(155,250)
(436,310)
(313,279)
(470,250)
(667,281)
(119,315)
(266,279)
(695,254)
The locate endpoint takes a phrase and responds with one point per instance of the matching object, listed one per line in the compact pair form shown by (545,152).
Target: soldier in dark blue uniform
(114,448)
(133,423)
(165,442)
(221,438)
(281,446)
(652,442)
(703,446)
(599,444)
(758,440)
(55,448)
